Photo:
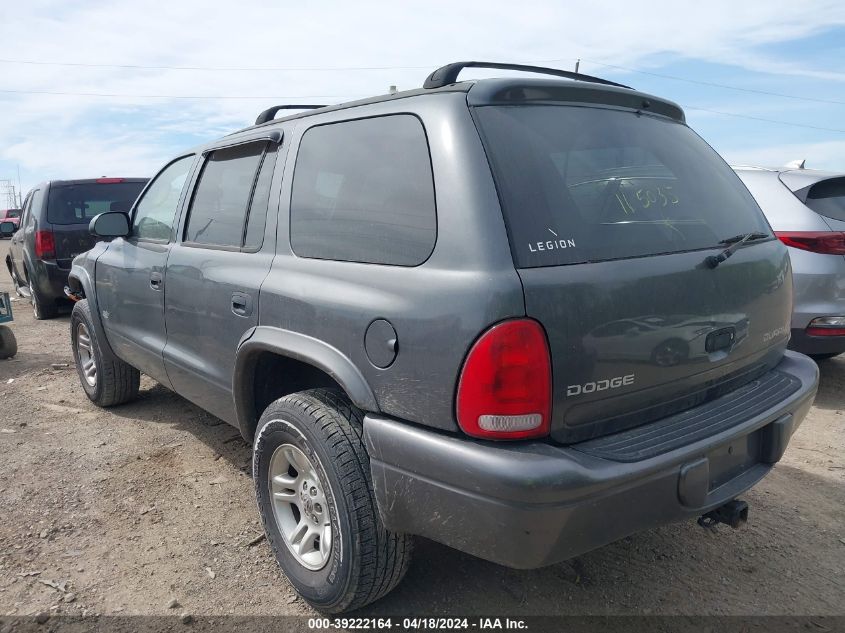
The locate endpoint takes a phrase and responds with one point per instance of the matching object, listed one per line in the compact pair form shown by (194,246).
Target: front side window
(156,209)
(222,196)
(583,184)
(363,192)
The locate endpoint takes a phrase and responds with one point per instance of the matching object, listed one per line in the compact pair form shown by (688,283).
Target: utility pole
(577,64)
(7,188)
(20,189)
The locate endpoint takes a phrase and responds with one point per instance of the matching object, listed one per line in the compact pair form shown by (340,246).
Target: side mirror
(110,224)
(7,229)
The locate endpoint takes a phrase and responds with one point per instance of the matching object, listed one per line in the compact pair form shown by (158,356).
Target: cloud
(64,136)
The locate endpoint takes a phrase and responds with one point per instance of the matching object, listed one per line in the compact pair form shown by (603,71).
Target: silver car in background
(806,209)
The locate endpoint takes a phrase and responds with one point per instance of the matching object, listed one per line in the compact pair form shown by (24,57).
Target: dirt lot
(123,511)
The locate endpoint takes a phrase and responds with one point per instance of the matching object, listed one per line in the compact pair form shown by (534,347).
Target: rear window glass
(77,204)
(584,184)
(827,198)
(13,213)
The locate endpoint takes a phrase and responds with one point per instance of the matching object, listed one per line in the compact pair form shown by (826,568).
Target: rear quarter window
(827,198)
(363,192)
(582,184)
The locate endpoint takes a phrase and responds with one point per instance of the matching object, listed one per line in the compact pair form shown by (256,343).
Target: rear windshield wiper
(735,242)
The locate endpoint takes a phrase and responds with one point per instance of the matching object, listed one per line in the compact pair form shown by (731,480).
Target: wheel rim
(35,310)
(17,282)
(85,352)
(300,507)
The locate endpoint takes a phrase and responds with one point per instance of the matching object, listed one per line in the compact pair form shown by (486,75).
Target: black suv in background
(54,229)
(521,317)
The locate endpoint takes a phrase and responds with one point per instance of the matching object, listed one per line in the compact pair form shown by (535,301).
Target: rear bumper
(527,505)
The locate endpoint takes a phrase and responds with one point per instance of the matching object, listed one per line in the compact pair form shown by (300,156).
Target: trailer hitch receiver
(733,513)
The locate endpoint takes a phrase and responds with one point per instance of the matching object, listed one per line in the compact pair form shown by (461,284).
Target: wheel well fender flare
(296,346)
(79,279)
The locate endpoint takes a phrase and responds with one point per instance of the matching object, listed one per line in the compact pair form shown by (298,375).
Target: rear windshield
(582,184)
(827,198)
(77,204)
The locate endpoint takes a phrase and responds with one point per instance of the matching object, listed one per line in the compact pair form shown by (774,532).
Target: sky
(116,88)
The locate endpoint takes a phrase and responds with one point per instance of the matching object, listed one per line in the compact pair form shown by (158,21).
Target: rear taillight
(45,245)
(827,326)
(825,242)
(505,388)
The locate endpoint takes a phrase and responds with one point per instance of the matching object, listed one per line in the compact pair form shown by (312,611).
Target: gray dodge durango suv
(521,317)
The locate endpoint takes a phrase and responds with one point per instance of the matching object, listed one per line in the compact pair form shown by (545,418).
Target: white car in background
(806,208)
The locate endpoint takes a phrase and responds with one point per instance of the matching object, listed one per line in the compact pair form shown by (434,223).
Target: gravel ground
(136,509)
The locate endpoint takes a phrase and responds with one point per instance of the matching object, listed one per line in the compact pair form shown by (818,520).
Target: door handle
(241,304)
(155,281)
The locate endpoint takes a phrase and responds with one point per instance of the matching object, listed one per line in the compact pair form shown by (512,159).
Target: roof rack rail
(448,74)
(270,113)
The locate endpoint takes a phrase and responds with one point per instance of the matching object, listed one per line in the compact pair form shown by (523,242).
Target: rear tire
(16,281)
(364,561)
(112,381)
(827,356)
(42,308)
(8,342)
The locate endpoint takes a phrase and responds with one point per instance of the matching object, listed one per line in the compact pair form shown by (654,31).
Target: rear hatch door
(72,204)
(612,214)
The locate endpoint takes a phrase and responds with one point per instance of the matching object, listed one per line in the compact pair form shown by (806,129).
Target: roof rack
(448,74)
(270,113)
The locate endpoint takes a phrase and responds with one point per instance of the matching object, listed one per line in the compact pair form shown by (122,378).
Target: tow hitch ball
(733,513)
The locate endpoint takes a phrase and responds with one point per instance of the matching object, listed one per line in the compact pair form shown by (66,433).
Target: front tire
(106,379)
(309,454)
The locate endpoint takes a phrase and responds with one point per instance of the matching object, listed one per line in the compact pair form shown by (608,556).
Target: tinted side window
(827,198)
(35,203)
(363,191)
(157,207)
(257,218)
(27,206)
(222,196)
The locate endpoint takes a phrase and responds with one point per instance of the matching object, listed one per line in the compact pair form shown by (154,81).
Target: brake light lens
(108,181)
(824,242)
(827,326)
(505,388)
(45,245)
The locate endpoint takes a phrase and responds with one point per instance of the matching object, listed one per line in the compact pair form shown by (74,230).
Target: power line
(136,96)
(268,98)
(215,68)
(758,118)
(713,84)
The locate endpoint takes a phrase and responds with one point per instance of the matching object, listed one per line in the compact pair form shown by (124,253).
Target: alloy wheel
(85,352)
(300,507)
